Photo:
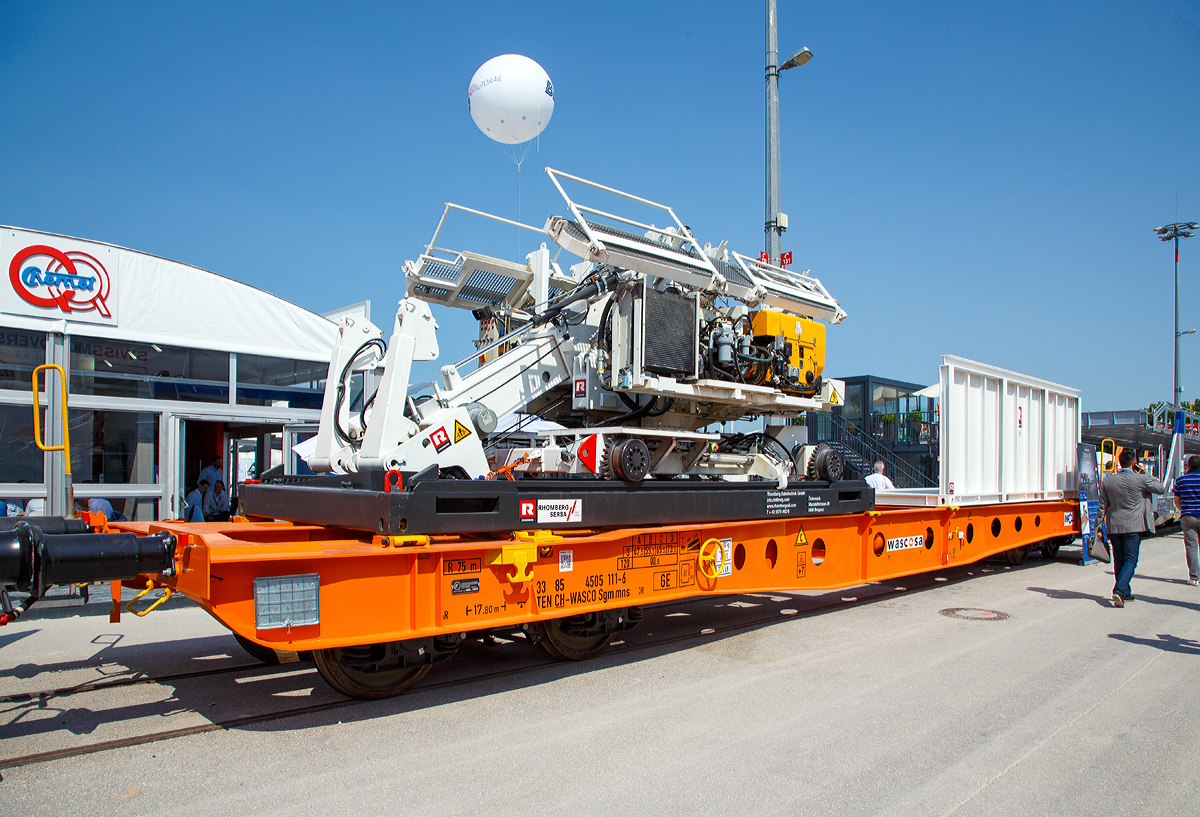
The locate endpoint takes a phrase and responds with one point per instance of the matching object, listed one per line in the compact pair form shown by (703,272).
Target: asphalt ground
(979,690)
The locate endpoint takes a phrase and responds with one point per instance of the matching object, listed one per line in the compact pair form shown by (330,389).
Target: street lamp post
(1174,232)
(776,222)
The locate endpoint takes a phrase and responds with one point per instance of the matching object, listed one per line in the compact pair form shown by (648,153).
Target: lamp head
(1171,232)
(799,58)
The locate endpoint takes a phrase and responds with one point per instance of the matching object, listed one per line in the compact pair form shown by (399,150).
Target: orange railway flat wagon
(377,611)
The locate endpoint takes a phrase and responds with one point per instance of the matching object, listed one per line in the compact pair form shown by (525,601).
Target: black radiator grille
(671,343)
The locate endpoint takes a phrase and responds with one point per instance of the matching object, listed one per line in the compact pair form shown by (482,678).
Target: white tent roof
(510,421)
(157,300)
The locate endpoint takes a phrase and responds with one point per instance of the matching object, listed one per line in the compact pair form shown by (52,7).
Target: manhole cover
(974,614)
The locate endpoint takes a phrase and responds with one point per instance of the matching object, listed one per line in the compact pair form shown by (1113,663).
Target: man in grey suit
(1128,500)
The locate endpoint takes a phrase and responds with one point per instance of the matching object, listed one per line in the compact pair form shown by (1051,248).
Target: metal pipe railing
(866,450)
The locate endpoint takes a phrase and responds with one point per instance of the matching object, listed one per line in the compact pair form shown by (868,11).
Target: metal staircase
(861,453)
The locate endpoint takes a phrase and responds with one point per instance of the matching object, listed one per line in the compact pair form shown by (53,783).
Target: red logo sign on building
(785,260)
(70,282)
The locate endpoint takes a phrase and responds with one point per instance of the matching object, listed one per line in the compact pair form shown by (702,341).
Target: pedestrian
(1187,502)
(193,509)
(216,504)
(98,505)
(213,473)
(878,481)
(1125,499)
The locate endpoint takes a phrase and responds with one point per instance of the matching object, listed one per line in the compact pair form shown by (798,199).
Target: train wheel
(357,683)
(571,647)
(264,654)
(1016,556)
(268,655)
(1050,548)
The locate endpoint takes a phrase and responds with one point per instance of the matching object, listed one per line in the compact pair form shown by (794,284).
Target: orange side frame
(382,589)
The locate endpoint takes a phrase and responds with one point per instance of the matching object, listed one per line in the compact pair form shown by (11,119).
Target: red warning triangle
(588,453)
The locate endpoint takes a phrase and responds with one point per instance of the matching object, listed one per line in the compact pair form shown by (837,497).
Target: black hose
(636,414)
(667,406)
(362,413)
(341,434)
(787,457)
(744,442)
(601,284)
(602,331)
(763,358)
(10,612)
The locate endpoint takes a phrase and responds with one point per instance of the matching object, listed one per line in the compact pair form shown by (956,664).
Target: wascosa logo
(475,86)
(69,281)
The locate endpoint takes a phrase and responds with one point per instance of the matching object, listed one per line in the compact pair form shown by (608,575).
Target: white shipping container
(1004,437)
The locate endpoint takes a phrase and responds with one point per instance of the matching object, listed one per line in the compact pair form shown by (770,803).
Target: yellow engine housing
(807,339)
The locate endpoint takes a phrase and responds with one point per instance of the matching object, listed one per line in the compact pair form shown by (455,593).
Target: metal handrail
(1162,418)
(868,452)
(65,447)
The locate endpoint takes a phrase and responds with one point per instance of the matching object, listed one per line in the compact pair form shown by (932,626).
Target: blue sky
(971,179)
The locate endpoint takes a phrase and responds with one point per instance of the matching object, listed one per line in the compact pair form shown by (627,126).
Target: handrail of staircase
(1161,417)
(870,453)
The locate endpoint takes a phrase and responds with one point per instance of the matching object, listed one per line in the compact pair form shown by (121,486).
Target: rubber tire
(630,460)
(571,648)
(826,464)
(1017,556)
(371,686)
(1050,548)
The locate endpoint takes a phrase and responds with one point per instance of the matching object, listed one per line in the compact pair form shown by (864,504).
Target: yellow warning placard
(461,432)
(801,538)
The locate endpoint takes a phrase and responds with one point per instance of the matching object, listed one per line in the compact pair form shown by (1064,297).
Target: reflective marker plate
(286,601)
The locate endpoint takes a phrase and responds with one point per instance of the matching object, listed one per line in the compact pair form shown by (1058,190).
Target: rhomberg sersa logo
(70,281)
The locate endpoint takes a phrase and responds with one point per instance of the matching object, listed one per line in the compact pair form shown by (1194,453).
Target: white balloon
(511,99)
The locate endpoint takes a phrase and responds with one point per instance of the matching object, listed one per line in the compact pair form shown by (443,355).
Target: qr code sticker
(566,562)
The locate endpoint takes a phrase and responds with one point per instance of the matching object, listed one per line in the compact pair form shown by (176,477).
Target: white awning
(155,300)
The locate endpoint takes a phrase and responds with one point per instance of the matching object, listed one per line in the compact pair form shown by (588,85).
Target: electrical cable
(501,385)
(493,441)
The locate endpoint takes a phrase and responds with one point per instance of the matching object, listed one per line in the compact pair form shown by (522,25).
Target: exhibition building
(167,366)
